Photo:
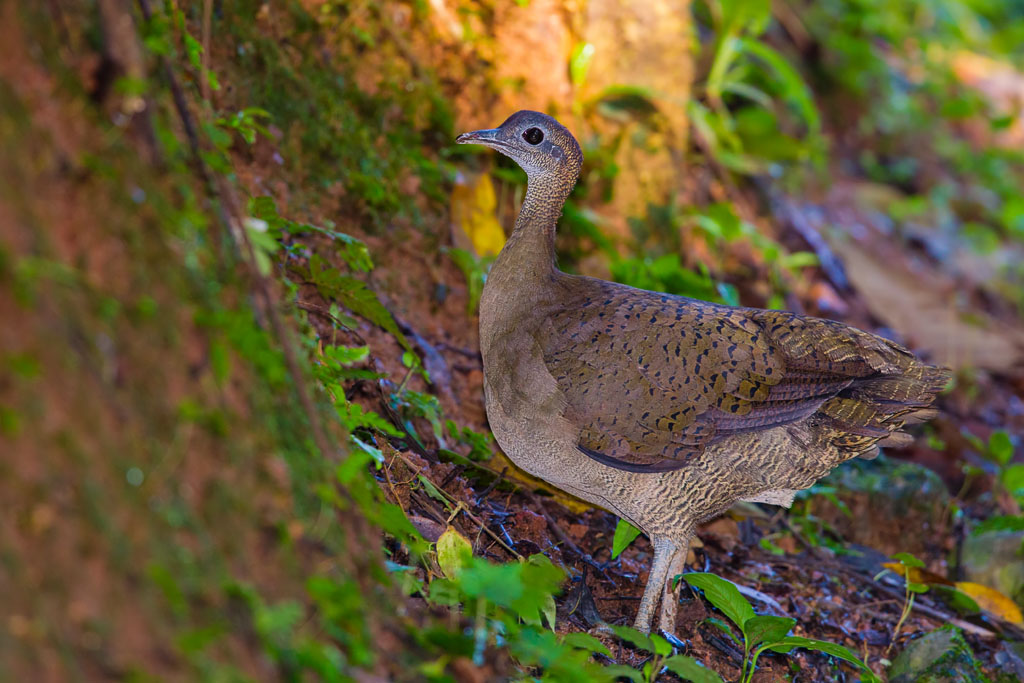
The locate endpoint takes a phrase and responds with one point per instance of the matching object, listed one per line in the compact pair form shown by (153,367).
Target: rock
(942,656)
(1010,658)
(915,500)
(994,559)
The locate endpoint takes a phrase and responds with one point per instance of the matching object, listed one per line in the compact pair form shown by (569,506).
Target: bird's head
(542,146)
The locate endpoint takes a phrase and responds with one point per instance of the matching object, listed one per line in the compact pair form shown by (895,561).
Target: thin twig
(325,312)
(391,485)
(563,537)
(468,353)
(490,487)
(898,597)
(924,609)
(465,510)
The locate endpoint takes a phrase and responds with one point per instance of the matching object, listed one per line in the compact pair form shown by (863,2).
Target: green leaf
(661,646)
(767,629)
(799,259)
(794,88)
(275,622)
(908,560)
(625,533)
(833,649)
(542,579)
(354,251)
(723,627)
(585,641)
(352,467)
(727,53)
(1012,478)
(369,449)
(579,62)
(352,416)
(748,91)
(474,269)
(976,443)
(392,519)
(958,600)
(689,669)
(623,671)
(432,491)
(354,295)
(549,610)
(444,592)
(999,523)
(639,640)
(730,295)
(1000,447)
(347,355)
(724,595)
(767,544)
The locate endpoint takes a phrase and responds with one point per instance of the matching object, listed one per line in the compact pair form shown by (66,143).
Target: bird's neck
(529,253)
(518,283)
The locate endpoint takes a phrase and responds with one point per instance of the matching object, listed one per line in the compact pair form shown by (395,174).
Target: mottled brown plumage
(667,410)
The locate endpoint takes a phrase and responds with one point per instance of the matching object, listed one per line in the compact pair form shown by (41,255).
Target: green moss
(335,133)
(942,656)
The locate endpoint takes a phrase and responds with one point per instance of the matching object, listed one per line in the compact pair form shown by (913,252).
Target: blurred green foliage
(893,65)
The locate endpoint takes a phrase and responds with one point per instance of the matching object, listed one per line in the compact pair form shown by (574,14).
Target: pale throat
(531,246)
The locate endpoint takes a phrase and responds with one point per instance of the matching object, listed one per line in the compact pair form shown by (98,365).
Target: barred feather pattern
(651,380)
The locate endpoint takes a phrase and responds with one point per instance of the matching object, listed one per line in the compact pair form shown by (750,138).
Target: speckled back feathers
(651,379)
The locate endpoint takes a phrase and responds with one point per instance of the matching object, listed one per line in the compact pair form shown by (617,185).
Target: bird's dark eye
(533,135)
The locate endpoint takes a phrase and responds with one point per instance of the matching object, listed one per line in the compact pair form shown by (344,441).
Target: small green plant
(687,668)
(656,263)
(353,251)
(480,444)
(999,451)
(667,274)
(248,123)
(1009,478)
(809,528)
(509,605)
(279,629)
(354,294)
(908,564)
(761,632)
(735,115)
(409,404)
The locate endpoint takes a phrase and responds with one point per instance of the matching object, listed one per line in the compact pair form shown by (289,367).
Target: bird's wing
(650,379)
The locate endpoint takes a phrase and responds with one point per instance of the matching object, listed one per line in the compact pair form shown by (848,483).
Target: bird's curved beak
(487,137)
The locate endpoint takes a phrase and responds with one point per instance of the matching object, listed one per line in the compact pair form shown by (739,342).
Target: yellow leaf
(499,462)
(473,205)
(453,552)
(992,601)
(917,575)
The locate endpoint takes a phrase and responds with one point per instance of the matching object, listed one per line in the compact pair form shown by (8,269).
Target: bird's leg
(670,596)
(665,554)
